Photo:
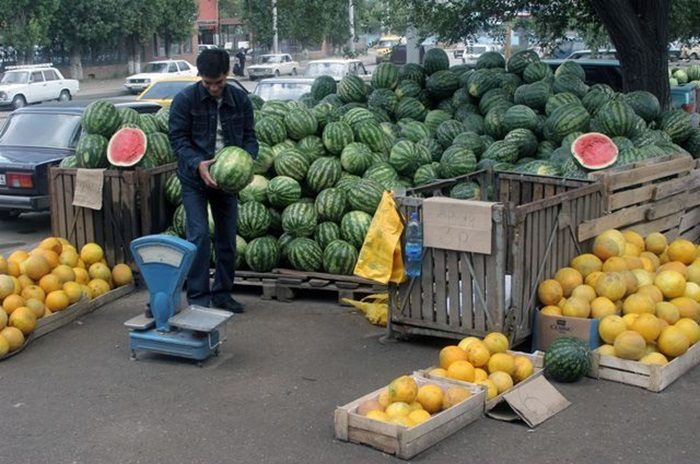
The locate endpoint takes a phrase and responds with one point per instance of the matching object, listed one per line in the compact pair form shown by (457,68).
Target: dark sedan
(33,139)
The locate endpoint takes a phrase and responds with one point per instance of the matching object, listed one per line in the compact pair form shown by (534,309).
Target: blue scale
(192,332)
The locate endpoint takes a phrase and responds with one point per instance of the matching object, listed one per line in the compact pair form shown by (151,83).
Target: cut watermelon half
(127,147)
(594,151)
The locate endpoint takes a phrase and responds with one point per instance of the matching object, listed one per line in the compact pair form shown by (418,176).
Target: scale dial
(161,254)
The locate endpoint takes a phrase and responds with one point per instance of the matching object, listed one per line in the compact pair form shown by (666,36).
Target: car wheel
(64,96)
(294,71)
(19,101)
(277,73)
(8,215)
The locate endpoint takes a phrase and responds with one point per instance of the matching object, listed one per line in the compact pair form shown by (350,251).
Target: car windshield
(325,69)
(41,130)
(15,77)
(281,90)
(165,90)
(265,59)
(156,68)
(386,43)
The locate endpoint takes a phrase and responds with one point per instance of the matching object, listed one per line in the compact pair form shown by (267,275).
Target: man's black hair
(213,62)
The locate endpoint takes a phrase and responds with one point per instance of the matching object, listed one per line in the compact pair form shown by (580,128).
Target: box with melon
(48,283)
(645,294)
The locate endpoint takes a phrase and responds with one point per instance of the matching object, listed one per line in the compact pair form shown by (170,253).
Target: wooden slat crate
(648,196)
(533,235)
(690,221)
(651,377)
(402,441)
(133,205)
(537,359)
(281,284)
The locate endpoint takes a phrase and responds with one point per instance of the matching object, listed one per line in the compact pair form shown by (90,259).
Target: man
(204,118)
(241,61)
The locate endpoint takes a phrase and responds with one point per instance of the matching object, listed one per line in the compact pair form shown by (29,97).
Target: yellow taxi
(384,46)
(162,92)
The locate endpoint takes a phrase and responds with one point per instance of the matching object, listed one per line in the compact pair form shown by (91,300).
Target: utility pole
(275,39)
(351,11)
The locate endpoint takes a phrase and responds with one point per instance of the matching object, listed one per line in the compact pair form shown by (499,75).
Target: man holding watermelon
(204,118)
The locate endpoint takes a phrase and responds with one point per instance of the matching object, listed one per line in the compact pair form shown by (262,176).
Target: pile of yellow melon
(644,291)
(406,404)
(38,283)
(486,362)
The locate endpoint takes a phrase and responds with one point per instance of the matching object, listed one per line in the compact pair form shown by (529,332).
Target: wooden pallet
(283,284)
(537,359)
(651,377)
(690,221)
(61,318)
(404,442)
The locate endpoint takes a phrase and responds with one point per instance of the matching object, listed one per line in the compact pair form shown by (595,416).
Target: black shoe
(227,304)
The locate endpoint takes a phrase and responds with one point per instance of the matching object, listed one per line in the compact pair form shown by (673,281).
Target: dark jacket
(193,120)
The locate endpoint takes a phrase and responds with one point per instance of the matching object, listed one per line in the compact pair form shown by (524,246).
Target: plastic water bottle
(413,250)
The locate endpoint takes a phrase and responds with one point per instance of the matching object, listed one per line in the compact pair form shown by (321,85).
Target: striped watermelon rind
(567,359)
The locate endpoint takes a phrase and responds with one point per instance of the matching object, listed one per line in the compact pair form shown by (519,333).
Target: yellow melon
(630,281)
(673,341)
(33,291)
(419,416)
(7,286)
(652,291)
(50,256)
(677,266)
(694,272)
(687,307)
(667,312)
(398,408)
(35,267)
(638,303)
(610,327)
(24,282)
(455,395)
(81,276)
(608,244)
(3,265)
(606,350)
(380,416)
(100,271)
(551,310)
(611,285)
(671,283)
(692,290)
(586,264)
(602,307)
(64,273)
(50,283)
(681,250)
(13,336)
(647,264)
(491,390)
(24,319)
(690,328)
(438,372)
(122,275)
(91,253)
(36,306)
(633,262)
(632,250)
(17,256)
(654,358)
(523,368)
(501,362)
(502,380)
(629,345)
(550,292)
(403,388)
(69,257)
(656,243)
(629,319)
(480,374)
(464,343)
(496,342)
(53,244)
(648,326)
(73,290)
(11,303)
(461,370)
(450,354)
(4,346)
(569,278)
(585,292)
(643,277)
(576,307)
(592,278)
(635,239)
(98,287)
(478,354)
(57,301)
(615,264)
(651,258)
(430,398)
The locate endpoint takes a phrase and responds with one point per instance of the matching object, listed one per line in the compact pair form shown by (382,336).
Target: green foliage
(26,23)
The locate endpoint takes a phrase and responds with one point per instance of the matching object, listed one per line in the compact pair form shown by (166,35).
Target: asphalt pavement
(74,396)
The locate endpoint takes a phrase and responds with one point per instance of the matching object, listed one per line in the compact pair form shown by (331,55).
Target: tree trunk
(639,31)
(76,62)
(131,54)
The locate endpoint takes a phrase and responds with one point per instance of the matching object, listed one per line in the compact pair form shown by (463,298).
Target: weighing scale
(164,262)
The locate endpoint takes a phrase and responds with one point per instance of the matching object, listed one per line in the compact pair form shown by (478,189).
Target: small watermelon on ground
(567,359)
(232,169)
(241,246)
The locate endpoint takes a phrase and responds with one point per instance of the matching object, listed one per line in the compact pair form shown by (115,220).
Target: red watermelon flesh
(594,150)
(127,147)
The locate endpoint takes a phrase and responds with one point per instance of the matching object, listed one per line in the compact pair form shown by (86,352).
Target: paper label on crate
(460,225)
(536,401)
(88,188)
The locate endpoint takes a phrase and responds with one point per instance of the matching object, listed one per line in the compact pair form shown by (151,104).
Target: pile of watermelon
(681,76)
(121,138)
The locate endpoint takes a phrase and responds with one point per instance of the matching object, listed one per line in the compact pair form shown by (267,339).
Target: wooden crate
(651,377)
(59,319)
(537,359)
(133,205)
(648,196)
(533,235)
(282,284)
(402,441)
(690,221)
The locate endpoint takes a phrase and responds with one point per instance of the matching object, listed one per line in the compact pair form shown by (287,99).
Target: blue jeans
(224,209)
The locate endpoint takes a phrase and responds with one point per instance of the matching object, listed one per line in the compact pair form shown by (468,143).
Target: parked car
(384,46)
(597,71)
(158,70)
(472,52)
(202,47)
(609,54)
(273,65)
(283,88)
(337,68)
(162,92)
(33,84)
(33,139)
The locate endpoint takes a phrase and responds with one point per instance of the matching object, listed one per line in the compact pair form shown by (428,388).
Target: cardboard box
(549,328)
(402,441)
(460,225)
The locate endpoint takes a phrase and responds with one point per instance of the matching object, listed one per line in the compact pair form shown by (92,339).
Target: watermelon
(470,140)
(555,101)
(466,191)
(271,130)
(409,107)
(331,204)
(382,173)
(417,73)
(241,246)
(179,221)
(232,169)
(336,135)
(323,173)
(126,147)
(566,119)
(299,219)
(323,86)
(384,99)
(282,191)
(256,190)
(594,151)
(404,157)
(91,152)
(291,163)
(490,60)
(69,162)
(352,88)
(354,227)
(537,72)
(300,123)
(148,123)
(326,232)
(645,104)
(567,359)
(311,147)
(435,60)
(385,76)
(159,148)
(253,220)
(519,117)
(339,257)
(366,196)
(173,190)
(427,174)
(457,161)
(519,60)
(101,118)
(616,118)
(503,151)
(305,254)
(162,118)
(442,84)
(372,134)
(129,115)
(677,124)
(262,254)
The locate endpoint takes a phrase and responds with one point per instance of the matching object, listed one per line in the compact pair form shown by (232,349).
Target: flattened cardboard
(533,403)
(549,328)
(460,225)
(88,188)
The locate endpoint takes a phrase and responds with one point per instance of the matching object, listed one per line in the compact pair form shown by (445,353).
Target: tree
(25,24)
(77,23)
(176,20)
(640,30)
(138,20)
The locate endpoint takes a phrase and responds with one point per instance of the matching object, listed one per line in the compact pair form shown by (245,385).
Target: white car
(33,84)
(273,65)
(157,70)
(283,88)
(336,68)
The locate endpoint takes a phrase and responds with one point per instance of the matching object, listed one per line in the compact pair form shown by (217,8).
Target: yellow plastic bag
(380,257)
(375,307)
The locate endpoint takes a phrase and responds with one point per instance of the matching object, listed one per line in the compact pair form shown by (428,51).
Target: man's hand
(203,169)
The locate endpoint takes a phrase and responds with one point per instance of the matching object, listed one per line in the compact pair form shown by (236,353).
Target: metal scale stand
(193,332)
